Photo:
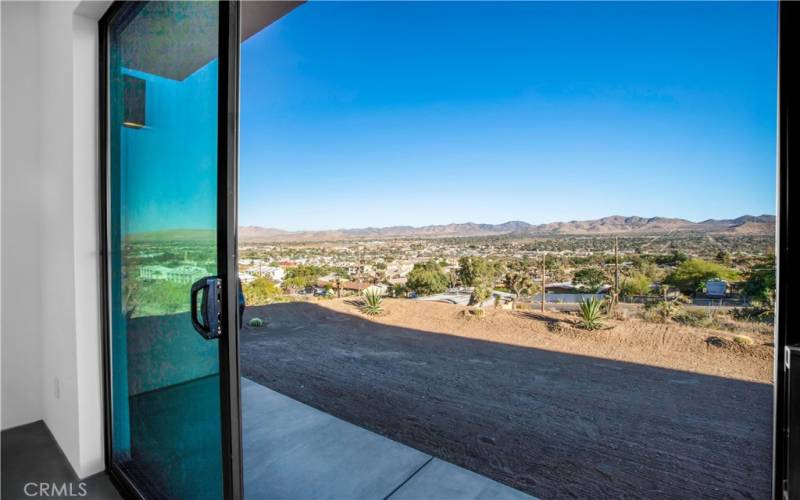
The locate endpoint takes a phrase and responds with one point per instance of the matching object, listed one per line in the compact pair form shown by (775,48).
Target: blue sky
(379,114)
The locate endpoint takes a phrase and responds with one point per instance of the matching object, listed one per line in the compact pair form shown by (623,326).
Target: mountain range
(750,225)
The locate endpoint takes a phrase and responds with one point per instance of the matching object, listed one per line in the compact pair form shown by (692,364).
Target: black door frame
(784,335)
(227,228)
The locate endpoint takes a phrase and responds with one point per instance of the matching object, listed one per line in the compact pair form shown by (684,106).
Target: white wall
(59,353)
(54,89)
(21,217)
(85,206)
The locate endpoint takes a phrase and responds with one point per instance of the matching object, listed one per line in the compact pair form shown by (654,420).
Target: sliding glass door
(169,77)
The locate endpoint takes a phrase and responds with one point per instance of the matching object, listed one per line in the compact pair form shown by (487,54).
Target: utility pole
(615,295)
(544,281)
(616,264)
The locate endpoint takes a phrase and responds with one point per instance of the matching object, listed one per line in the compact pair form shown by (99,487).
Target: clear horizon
(361,115)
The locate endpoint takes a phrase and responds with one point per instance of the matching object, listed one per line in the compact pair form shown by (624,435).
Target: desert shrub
(743,340)
(591,312)
(619,314)
(757,313)
(661,311)
(698,318)
(256,322)
(723,257)
(476,312)
(479,294)
(399,290)
(372,301)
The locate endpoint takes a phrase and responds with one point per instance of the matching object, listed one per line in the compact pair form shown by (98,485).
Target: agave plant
(372,302)
(591,311)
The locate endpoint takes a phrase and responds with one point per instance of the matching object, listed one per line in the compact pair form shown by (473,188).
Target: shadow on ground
(548,423)
(33,465)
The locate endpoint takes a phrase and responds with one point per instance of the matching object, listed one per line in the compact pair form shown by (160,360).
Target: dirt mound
(667,345)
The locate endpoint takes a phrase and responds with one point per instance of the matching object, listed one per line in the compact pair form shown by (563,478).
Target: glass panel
(162,210)
(548,344)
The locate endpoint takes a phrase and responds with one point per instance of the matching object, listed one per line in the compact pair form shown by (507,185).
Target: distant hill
(615,224)
(193,235)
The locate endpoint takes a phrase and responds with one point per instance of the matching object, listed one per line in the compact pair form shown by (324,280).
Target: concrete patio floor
(294,451)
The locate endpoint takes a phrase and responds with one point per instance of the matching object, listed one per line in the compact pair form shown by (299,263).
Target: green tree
(155,297)
(476,271)
(519,279)
(691,275)
(650,270)
(260,291)
(481,274)
(469,268)
(637,283)
(555,269)
(590,278)
(761,282)
(427,278)
(302,276)
(472,270)
(677,257)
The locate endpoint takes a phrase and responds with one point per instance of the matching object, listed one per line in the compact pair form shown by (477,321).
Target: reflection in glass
(162,237)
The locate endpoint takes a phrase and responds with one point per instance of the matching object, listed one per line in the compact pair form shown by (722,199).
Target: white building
(274,273)
(246,277)
(180,274)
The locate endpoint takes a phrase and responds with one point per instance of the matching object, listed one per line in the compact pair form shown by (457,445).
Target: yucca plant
(591,311)
(372,302)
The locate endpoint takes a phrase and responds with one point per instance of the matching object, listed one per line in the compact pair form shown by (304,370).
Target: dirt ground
(634,410)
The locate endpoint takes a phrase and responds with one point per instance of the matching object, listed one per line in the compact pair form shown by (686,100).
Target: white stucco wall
(85,206)
(50,292)
(21,222)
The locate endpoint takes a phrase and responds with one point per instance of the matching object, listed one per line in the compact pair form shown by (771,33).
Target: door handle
(209,325)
